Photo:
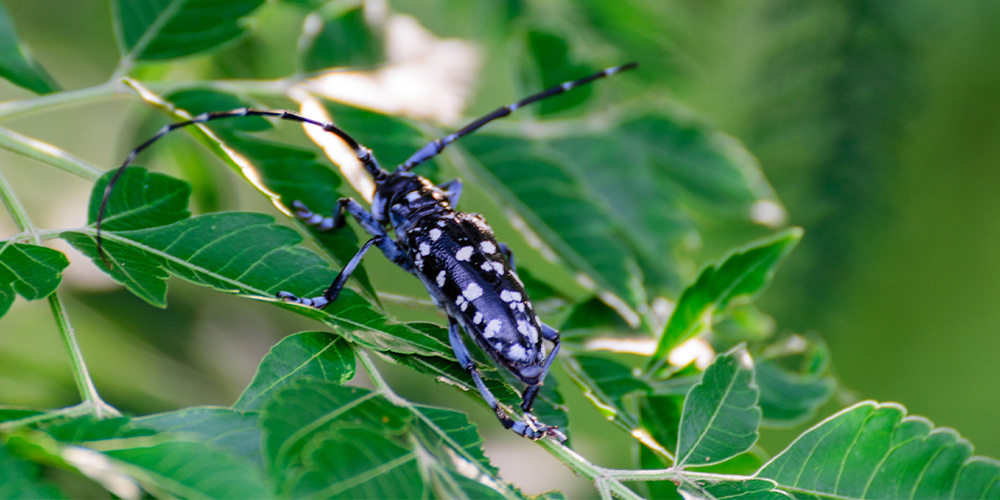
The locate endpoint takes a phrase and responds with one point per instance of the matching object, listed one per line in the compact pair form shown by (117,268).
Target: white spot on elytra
(478,318)
(488,246)
(473,291)
(461,302)
(508,296)
(487,266)
(497,267)
(517,352)
(463,253)
(435,234)
(441,223)
(492,328)
(425,249)
(412,196)
(419,261)
(440,278)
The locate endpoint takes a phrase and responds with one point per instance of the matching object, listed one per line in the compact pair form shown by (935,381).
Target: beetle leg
(508,254)
(452,189)
(333,291)
(528,399)
(365,219)
(532,429)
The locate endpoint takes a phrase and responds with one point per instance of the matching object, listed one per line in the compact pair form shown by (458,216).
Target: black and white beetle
(466,271)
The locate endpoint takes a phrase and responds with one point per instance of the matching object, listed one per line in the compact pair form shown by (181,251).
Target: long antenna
(437,145)
(363,154)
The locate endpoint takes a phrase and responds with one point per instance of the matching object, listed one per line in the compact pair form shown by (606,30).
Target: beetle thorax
(405,198)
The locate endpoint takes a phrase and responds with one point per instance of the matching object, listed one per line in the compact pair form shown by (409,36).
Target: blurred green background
(877,123)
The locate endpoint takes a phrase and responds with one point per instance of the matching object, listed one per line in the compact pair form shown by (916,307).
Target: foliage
(612,190)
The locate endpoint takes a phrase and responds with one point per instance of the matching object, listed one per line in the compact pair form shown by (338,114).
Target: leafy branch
(299,429)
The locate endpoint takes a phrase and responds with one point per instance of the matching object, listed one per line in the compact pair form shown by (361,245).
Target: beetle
(466,271)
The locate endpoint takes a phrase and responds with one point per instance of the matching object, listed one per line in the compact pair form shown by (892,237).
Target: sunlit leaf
(337,35)
(31,271)
(872,450)
(355,463)
(233,431)
(16,63)
(292,173)
(192,470)
(318,355)
(720,416)
(166,29)
(742,275)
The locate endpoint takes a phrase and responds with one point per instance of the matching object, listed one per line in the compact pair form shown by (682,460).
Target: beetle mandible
(466,271)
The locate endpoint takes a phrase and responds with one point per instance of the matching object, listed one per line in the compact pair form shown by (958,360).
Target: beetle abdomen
(463,267)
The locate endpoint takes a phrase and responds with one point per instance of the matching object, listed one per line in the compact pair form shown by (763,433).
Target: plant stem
(17,211)
(47,153)
(114,88)
(602,480)
(88,392)
(14,108)
(85,384)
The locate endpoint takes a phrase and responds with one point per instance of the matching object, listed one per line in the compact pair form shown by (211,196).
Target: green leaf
(794,380)
(872,450)
(356,463)
(22,479)
(32,271)
(192,470)
(720,416)
(749,488)
(246,254)
(548,57)
(610,386)
(610,199)
(140,199)
(319,355)
(337,35)
(167,29)
(742,275)
(16,63)
(310,407)
(235,432)
(90,428)
(291,173)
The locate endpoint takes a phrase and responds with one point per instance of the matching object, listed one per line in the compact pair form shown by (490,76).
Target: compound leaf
(355,463)
(745,273)
(192,470)
(22,479)
(140,199)
(762,489)
(167,29)
(235,432)
(794,380)
(309,407)
(610,200)
(31,271)
(720,416)
(16,63)
(873,450)
(319,355)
